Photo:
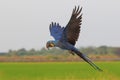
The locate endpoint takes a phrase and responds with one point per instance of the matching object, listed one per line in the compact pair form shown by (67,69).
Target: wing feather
(56,30)
(72,29)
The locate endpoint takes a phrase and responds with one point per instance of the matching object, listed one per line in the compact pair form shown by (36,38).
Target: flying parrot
(66,37)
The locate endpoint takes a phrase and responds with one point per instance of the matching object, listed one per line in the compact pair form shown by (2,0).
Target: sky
(25,23)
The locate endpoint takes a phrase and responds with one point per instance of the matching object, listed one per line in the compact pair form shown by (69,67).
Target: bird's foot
(71,52)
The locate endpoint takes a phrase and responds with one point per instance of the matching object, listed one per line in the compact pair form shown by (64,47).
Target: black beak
(47,46)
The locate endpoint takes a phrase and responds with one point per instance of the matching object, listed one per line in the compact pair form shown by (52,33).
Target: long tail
(84,57)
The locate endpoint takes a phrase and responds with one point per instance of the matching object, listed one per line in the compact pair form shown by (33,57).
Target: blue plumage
(66,37)
(56,30)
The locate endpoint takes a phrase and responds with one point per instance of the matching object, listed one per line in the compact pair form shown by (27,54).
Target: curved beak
(47,46)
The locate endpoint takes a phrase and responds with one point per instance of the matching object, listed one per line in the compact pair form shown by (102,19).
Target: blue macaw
(66,37)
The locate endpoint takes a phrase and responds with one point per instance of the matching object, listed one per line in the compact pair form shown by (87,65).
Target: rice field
(59,71)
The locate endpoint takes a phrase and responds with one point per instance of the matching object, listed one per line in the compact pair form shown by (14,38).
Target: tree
(22,52)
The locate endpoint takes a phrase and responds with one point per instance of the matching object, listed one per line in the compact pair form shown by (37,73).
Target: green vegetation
(102,50)
(102,53)
(59,71)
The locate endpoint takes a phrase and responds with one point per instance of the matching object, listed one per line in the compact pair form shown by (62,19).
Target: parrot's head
(50,43)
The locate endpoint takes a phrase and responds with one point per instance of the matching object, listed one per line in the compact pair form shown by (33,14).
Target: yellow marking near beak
(52,45)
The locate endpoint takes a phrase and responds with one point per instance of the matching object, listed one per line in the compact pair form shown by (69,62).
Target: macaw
(66,37)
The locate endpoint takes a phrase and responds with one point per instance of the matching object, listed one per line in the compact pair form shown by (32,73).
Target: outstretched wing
(56,30)
(72,29)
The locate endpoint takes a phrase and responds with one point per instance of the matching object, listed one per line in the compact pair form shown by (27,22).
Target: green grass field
(59,71)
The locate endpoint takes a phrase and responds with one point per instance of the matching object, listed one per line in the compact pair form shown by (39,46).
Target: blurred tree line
(102,50)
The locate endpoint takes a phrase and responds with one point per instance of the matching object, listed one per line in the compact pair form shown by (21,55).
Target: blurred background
(24,27)
(24,31)
(25,23)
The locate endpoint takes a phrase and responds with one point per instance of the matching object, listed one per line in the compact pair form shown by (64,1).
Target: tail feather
(85,58)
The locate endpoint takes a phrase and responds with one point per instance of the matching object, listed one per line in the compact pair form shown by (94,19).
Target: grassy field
(59,71)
